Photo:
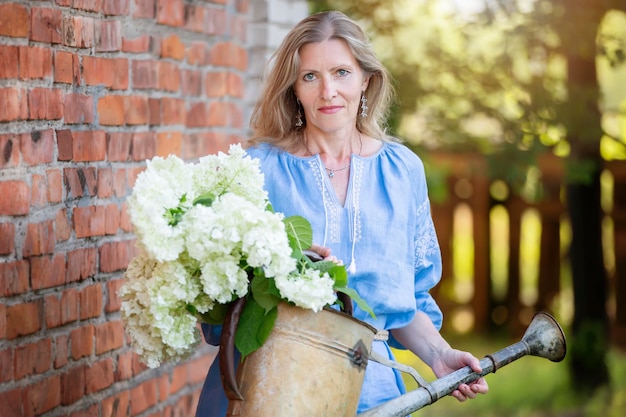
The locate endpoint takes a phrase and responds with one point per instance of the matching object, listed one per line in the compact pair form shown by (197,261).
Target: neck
(334,150)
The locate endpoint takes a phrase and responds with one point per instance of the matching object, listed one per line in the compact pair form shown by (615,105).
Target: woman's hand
(324,253)
(449,360)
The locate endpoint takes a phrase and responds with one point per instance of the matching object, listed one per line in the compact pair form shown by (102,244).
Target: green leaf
(216,315)
(254,327)
(357,299)
(265,292)
(205,199)
(299,232)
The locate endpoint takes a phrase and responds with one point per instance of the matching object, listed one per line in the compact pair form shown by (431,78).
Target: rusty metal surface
(313,364)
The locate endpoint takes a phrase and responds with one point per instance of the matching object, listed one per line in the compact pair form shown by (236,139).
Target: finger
(323,251)
(459,396)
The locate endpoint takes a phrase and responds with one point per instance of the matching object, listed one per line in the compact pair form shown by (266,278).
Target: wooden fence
(496,229)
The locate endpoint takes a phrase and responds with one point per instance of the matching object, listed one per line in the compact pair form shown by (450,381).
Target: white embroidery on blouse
(331,211)
(426,242)
(357,176)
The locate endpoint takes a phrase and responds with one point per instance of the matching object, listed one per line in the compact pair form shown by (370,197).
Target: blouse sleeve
(427,258)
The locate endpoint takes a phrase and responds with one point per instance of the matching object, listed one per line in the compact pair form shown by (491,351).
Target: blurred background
(518,109)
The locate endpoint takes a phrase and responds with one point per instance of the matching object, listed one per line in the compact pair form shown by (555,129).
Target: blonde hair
(274,115)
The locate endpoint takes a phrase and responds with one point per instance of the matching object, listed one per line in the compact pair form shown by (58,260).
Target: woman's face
(329,85)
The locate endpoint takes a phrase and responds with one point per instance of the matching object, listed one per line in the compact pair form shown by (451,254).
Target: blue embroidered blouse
(384,230)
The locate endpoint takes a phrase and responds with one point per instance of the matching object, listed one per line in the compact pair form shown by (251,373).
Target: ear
(366,83)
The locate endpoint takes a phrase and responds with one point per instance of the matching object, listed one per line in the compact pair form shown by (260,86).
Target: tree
(527,70)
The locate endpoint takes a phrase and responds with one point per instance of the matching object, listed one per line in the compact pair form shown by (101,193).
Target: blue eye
(308,77)
(343,72)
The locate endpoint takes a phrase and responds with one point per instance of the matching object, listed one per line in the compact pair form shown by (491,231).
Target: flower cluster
(207,236)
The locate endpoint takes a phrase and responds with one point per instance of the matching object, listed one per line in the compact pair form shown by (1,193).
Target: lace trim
(357,167)
(331,211)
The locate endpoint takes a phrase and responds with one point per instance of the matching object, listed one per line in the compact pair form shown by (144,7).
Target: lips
(329,109)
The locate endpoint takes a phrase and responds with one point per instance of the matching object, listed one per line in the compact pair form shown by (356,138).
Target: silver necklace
(331,171)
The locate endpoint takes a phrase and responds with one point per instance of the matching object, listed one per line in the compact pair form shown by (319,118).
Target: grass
(528,387)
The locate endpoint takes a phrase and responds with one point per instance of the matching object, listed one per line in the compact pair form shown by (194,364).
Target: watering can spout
(543,338)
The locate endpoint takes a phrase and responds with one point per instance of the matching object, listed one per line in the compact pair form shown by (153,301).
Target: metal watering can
(313,365)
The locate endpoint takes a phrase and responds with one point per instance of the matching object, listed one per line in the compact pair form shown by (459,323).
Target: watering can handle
(346,301)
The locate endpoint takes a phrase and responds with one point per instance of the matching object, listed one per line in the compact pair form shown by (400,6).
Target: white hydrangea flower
(159,188)
(310,289)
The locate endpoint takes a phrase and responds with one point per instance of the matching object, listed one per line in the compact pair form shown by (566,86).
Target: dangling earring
(299,122)
(363,106)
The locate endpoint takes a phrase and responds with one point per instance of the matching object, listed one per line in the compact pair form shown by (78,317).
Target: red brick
(62,351)
(38,147)
(91,302)
(33,358)
(179,379)
(112,219)
(109,336)
(136,45)
(38,188)
(55,186)
(111,110)
(105,183)
(99,71)
(9,150)
(79,109)
(88,5)
(215,84)
(42,396)
(120,183)
(24,318)
(229,54)
(170,12)
(45,25)
(99,376)
(45,104)
(7,238)
(113,302)
(3,321)
(115,256)
(89,145)
(88,411)
(125,366)
(66,67)
(82,341)
(15,106)
(65,145)
(81,182)
(9,59)
(144,74)
(191,81)
(69,306)
(19,203)
(195,17)
(169,143)
(154,108)
(143,146)
(108,35)
(117,405)
(136,109)
(73,384)
(116,8)
(125,223)
(197,53)
(172,47)
(81,264)
(216,22)
(78,31)
(173,111)
(6,367)
(235,86)
(197,115)
(14,20)
(143,396)
(144,9)
(40,239)
(88,221)
(118,146)
(52,311)
(47,271)
(62,226)
(11,402)
(218,114)
(35,62)
(15,278)
(169,76)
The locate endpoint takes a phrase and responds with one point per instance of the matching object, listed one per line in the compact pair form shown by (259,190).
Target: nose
(329,90)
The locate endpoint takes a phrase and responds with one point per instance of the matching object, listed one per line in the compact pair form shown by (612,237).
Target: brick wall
(88,90)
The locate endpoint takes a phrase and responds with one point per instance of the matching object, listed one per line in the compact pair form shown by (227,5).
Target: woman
(318,133)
